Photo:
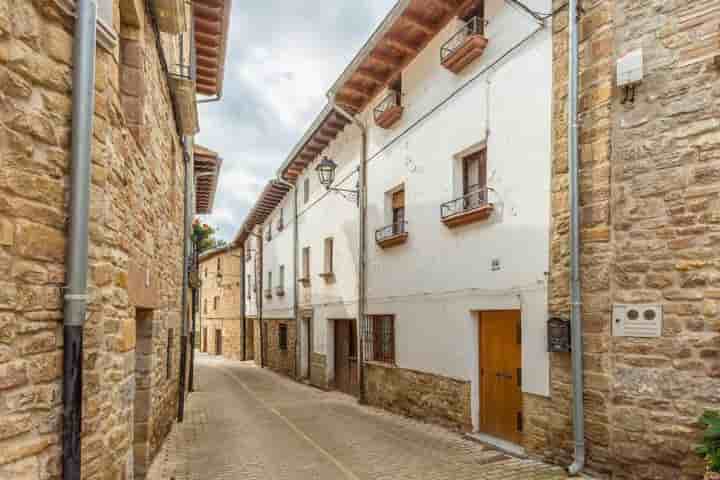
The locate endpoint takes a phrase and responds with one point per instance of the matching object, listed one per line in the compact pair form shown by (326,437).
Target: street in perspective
(359,240)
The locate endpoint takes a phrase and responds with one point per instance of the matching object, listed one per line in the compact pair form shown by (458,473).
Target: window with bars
(283,337)
(380,338)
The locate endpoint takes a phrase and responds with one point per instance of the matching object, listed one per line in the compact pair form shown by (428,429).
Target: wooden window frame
(305,265)
(283,337)
(328,258)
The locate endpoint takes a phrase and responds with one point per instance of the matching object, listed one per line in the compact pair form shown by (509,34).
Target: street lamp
(326,173)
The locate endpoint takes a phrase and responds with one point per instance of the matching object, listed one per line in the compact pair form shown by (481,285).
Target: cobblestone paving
(244,423)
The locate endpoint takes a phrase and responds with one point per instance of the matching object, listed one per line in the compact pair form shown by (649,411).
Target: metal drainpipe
(76,297)
(296,302)
(243,293)
(195,301)
(362,260)
(258,296)
(184,307)
(575,297)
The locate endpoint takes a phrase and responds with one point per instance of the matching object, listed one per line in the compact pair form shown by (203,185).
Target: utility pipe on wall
(362,260)
(296,303)
(185,282)
(243,293)
(75,299)
(575,297)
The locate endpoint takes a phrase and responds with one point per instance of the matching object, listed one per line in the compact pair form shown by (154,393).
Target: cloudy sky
(283,55)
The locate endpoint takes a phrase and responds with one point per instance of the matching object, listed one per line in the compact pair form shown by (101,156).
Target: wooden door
(309,346)
(501,375)
(345,356)
(218,342)
(205,340)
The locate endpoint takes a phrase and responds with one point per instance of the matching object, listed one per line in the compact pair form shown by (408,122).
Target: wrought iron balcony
(280,226)
(466,45)
(389,110)
(280,291)
(392,235)
(268,293)
(473,207)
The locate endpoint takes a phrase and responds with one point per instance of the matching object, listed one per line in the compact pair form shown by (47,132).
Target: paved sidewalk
(245,423)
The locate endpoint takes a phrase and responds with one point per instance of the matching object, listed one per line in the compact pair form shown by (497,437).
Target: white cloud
(282,57)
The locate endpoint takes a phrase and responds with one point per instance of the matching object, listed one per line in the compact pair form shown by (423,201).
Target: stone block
(7,232)
(126,339)
(58,44)
(40,242)
(25,448)
(12,375)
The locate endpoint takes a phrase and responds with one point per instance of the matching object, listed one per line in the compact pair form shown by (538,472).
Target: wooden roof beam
(385,59)
(420,23)
(444,4)
(402,46)
(370,76)
(355,90)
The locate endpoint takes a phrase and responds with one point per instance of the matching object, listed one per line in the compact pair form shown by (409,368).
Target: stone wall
(650,232)
(226,284)
(282,361)
(126,228)
(433,398)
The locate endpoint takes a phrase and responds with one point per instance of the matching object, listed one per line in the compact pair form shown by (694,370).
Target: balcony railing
(474,206)
(280,291)
(464,46)
(389,110)
(268,293)
(391,235)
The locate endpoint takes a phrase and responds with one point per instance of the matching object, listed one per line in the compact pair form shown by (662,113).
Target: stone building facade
(221,326)
(650,197)
(132,334)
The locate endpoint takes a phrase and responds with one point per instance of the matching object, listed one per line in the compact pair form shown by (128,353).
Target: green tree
(204,235)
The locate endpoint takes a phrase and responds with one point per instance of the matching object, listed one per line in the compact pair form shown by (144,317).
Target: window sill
(478,214)
(377,363)
(106,36)
(327,276)
(393,240)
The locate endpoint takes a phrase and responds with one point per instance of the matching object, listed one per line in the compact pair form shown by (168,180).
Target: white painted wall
(436,281)
(277,252)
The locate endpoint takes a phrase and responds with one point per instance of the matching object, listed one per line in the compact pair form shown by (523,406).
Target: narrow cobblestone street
(248,423)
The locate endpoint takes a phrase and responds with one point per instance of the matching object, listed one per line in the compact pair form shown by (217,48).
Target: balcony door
(474,179)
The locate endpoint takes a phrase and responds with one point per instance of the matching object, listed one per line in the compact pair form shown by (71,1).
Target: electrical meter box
(637,320)
(630,68)
(558,335)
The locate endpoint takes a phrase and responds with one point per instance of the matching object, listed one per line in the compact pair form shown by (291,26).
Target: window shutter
(398,199)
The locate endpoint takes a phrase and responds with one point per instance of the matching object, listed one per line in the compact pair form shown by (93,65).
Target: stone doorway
(143,391)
